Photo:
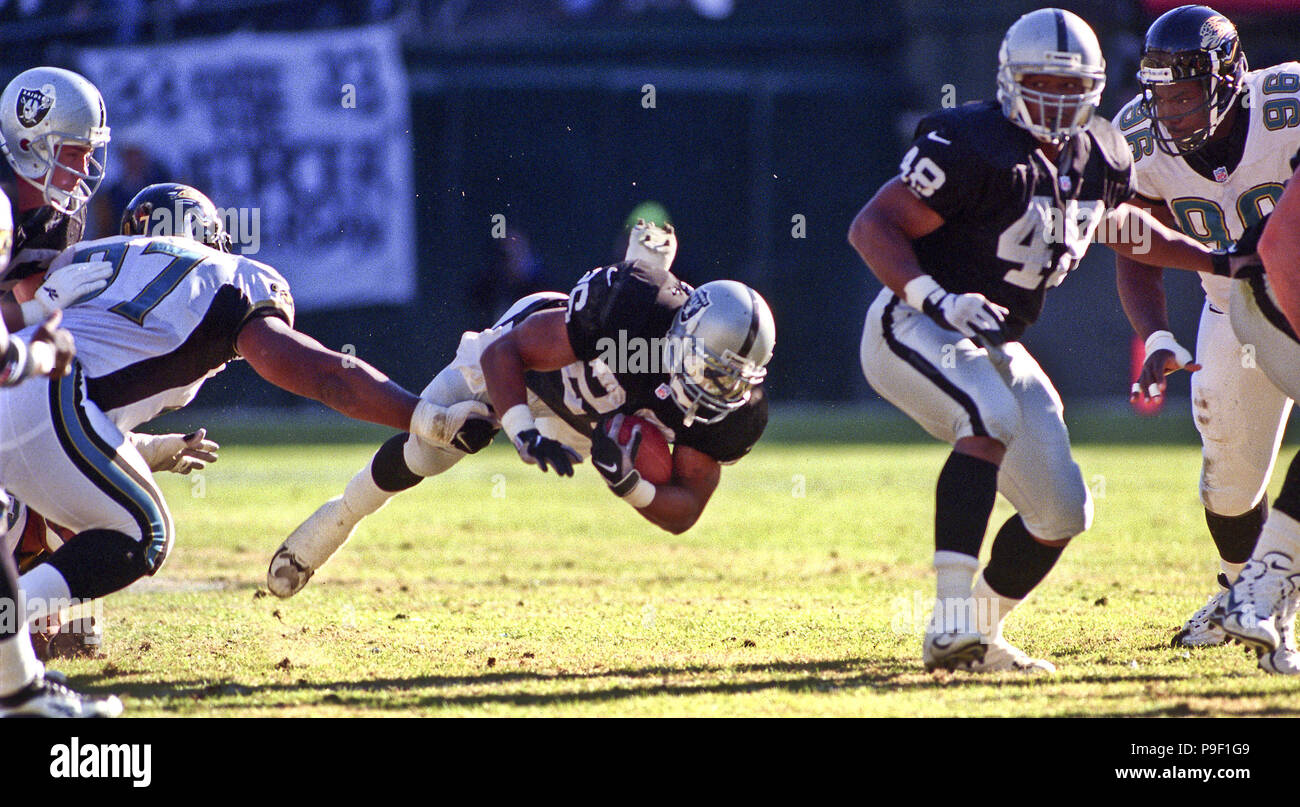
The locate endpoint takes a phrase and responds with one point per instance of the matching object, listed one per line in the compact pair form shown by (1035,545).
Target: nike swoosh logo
(602,466)
(936,138)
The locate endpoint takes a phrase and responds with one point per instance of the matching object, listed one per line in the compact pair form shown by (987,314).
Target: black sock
(8,597)
(96,563)
(1288,499)
(1236,536)
(1018,562)
(389,468)
(963,503)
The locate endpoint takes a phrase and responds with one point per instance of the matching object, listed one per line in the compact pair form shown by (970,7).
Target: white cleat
(1002,656)
(319,536)
(1284,660)
(1253,604)
(1199,630)
(950,643)
(48,696)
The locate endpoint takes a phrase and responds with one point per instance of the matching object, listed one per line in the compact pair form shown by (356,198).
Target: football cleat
(49,696)
(950,640)
(1250,612)
(1002,656)
(287,575)
(1199,630)
(320,536)
(1284,659)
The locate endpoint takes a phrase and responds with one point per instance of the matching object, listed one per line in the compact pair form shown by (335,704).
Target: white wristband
(640,495)
(33,312)
(518,418)
(919,289)
(1164,340)
(40,357)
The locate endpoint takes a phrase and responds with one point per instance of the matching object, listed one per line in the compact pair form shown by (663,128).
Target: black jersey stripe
(1270,311)
(931,372)
(210,345)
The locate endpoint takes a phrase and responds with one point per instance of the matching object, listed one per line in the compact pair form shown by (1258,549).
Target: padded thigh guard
(65,459)
(1239,411)
(949,386)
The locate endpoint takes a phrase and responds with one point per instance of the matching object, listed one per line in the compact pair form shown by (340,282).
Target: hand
(178,453)
(465,426)
(52,349)
(65,286)
(615,461)
(970,314)
(1163,356)
(652,245)
(535,449)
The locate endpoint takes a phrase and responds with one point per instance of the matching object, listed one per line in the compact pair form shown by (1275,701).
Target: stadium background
(536,110)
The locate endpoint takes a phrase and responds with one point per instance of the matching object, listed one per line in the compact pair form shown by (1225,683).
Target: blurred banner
(308,135)
(1229,6)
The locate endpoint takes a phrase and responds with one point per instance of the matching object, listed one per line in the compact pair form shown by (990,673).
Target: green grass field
(499,590)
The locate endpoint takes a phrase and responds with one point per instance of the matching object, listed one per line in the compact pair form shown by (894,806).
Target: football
(654,459)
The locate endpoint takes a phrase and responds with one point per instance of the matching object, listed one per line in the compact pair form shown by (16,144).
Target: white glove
(653,245)
(971,314)
(64,287)
(178,453)
(440,425)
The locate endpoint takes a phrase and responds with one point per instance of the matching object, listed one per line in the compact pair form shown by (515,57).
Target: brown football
(654,459)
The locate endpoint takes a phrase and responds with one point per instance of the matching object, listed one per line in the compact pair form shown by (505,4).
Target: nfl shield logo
(1066,184)
(662,392)
(1220,174)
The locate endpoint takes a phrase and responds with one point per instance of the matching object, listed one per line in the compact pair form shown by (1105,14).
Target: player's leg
(1259,609)
(947,385)
(65,458)
(399,464)
(1241,416)
(1040,478)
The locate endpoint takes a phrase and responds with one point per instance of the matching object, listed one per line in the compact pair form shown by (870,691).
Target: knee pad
(96,563)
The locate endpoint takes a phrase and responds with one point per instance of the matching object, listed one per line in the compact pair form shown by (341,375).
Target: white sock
(363,496)
(953,572)
(45,590)
(991,609)
(1281,533)
(18,664)
(1231,570)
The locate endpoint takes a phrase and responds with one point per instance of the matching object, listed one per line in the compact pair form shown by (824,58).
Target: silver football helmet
(43,111)
(1054,42)
(720,343)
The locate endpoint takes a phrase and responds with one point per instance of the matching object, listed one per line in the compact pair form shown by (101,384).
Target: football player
(175,311)
(1210,142)
(543,369)
(1259,608)
(25,688)
(996,203)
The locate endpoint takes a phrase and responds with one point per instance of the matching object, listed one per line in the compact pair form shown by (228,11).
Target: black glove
(1240,260)
(534,448)
(617,463)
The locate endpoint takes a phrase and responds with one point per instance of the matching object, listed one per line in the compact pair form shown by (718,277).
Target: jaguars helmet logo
(1214,31)
(34,105)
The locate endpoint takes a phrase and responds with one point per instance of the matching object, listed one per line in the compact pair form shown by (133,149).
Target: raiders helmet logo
(34,105)
(698,301)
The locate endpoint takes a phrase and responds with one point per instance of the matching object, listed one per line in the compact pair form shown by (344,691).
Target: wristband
(33,312)
(919,289)
(518,418)
(1220,264)
(1162,340)
(641,494)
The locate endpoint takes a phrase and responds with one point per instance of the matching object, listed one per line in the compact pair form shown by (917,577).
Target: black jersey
(1014,224)
(39,235)
(617,319)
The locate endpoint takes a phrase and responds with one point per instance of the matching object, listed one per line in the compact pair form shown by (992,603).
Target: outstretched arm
(298,363)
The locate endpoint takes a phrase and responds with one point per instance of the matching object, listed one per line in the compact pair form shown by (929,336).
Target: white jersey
(166,322)
(1216,211)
